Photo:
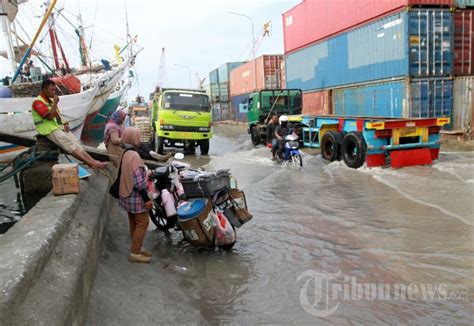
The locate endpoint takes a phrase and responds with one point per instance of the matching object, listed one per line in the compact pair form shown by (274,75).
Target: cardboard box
(65,179)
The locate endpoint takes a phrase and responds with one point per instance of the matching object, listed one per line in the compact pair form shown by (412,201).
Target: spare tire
(331,146)
(354,149)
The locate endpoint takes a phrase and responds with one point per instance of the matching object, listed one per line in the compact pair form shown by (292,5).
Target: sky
(199,34)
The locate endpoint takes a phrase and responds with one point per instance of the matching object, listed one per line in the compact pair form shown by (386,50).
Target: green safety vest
(45,126)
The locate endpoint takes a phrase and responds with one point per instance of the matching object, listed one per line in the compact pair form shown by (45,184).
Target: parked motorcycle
(167,192)
(292,144)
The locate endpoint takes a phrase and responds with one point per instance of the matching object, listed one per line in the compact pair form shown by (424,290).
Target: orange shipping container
(317,103)
(270,75)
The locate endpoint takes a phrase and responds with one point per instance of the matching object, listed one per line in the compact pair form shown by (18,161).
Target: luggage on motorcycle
(206,184)
(196,218)
(239,208)
(225,234)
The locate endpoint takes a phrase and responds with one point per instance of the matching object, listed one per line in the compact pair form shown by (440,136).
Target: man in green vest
(49,123)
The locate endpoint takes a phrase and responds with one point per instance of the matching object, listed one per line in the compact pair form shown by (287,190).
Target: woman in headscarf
(113,136)
(133,194)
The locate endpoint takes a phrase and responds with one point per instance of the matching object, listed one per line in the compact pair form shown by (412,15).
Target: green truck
(262,104)
(181,118)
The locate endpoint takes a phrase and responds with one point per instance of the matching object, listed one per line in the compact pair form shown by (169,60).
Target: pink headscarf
(114,125)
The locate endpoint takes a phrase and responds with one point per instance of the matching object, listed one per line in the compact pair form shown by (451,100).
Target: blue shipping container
(418,43)
(214,76)
(239,106)
(417,98)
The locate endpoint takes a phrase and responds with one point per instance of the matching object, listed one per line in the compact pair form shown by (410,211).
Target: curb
(53,255)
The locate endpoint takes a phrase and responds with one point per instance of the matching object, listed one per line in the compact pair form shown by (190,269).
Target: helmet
(283,118)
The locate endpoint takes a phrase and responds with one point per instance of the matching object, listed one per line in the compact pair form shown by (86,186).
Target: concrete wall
(49,258)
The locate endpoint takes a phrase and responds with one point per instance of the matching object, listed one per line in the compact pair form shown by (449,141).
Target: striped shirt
(134,202)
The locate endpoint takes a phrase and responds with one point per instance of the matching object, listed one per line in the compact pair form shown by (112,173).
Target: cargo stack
(373,58)
(219,91)
(462,118)
(267,72)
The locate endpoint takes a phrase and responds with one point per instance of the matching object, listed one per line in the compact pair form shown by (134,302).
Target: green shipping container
(464,3)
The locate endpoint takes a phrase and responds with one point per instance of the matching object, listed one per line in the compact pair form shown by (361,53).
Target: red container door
(464,42)
(317,103)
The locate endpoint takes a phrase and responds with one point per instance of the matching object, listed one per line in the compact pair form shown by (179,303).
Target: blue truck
(397,142)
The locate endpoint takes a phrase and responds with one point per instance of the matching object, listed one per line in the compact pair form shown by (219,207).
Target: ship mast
(8,34)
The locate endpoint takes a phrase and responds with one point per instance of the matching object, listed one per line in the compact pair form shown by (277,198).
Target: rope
(21,162)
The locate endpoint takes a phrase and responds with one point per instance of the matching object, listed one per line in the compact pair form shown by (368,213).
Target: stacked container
(462,120)
(267,72)
(374,58)
(219,90)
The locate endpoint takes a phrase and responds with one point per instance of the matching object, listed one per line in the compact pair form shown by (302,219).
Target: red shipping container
(317,103)
(464,42)
(314,20)
(270,72)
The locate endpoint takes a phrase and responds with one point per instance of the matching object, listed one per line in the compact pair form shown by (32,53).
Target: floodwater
(327,244)
(11,205)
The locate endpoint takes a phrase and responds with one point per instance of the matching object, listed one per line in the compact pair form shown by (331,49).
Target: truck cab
(181,118)
(262,104)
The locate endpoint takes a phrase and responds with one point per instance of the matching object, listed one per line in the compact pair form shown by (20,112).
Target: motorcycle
(167,192)
(291,145)
(168,196)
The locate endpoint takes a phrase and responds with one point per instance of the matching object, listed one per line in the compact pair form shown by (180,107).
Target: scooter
(292,145)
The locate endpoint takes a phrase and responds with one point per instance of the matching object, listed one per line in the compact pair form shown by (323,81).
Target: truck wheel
(159,144)
(331,146)
(255,135)
(354,150)
(204,146)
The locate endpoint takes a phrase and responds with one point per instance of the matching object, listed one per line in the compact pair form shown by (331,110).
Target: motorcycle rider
(280,133)
(271,138)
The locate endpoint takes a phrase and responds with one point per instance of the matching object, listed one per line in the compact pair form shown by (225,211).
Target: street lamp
(189,72)
(253,47)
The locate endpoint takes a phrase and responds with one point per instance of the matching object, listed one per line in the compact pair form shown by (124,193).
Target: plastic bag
(224,232)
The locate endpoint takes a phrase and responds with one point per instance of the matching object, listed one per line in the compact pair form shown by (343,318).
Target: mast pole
(33,41)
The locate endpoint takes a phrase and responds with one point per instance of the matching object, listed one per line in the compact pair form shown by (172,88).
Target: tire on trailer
(204,146)
(159,145)
(255,135)
(354,150)
(331,146)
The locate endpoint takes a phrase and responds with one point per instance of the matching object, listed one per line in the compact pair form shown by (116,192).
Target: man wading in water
(48,123)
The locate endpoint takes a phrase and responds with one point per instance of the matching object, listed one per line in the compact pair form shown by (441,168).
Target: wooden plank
(96,153)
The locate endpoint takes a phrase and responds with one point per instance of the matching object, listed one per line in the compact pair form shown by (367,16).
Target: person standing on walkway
(133,196)
(49,123)
(113,136)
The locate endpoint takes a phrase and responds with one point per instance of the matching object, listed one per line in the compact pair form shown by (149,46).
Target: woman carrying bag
(133,195)
(112,135)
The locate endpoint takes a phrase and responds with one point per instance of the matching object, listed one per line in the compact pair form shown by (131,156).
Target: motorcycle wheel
(297,159)
(157,217)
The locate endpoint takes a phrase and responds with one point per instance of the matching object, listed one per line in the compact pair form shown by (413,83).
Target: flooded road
(327,245)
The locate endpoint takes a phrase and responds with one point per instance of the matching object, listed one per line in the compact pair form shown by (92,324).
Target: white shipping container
(462,119)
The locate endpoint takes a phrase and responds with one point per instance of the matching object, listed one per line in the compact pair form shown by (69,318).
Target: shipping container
(317,103)
(416,44)
(464,3)
(225,69)
(239,105)
(221,111)
(463,36)
(269,71)
(220,92)
(415,98)
(463,119)
(214,76)
(315,20)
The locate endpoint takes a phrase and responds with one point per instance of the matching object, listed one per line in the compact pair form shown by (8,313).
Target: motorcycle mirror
(179,156)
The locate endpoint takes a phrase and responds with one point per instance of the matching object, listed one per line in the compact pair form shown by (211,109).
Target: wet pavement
(327,245)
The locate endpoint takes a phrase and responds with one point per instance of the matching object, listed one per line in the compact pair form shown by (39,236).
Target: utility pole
(253,47)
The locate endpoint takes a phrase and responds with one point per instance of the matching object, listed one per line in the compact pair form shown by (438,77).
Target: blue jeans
(287,153)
